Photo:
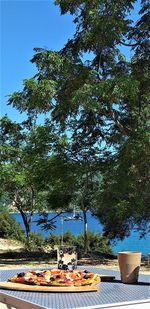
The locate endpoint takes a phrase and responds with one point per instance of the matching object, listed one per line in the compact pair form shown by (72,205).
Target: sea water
(131,243)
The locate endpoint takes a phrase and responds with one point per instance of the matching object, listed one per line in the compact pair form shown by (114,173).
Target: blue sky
(25,25)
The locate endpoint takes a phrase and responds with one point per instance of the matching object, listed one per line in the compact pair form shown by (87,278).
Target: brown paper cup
(129,265)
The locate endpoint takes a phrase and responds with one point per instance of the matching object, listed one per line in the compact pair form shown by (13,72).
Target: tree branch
(129,45)
(116,121)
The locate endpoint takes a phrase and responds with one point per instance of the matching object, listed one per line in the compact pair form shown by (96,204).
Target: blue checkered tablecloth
(109,292)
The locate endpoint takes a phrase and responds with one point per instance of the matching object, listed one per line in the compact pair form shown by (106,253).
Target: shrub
(96,243)
(9,228)
(52,240)
(36,242)
(69,239)
(55,239)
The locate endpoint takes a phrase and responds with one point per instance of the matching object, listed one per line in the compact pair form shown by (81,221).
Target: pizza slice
(56,277)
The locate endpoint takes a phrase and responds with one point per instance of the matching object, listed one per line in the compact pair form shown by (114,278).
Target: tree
(6,224)
(34,176)
(85,167)
(123,197)
(94,95)
(24,154)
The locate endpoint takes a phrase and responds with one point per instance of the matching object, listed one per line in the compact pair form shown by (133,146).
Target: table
(111,295)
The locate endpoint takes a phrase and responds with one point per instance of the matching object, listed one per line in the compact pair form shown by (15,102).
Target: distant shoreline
(48,212)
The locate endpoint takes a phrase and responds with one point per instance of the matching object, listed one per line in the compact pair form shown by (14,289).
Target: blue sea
(131,243)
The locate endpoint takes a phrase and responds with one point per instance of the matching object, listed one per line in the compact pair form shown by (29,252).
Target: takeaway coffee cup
(129,265)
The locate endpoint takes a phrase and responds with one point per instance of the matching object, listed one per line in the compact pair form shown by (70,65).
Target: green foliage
(99,113)
(110,108)
(9,228)
(69,238)
(124,195)
(37,91)
(55,239)
(27,169)
(96,243)
(36,242)
(52,240)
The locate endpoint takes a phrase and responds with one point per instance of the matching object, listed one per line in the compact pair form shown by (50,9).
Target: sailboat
(74,217)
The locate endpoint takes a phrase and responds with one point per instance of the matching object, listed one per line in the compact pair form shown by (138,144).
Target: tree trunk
(26,223)
(27,218)
(85,231)
(84,209)
(27,227)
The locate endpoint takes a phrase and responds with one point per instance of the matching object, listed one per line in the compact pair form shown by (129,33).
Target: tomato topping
(21,280)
